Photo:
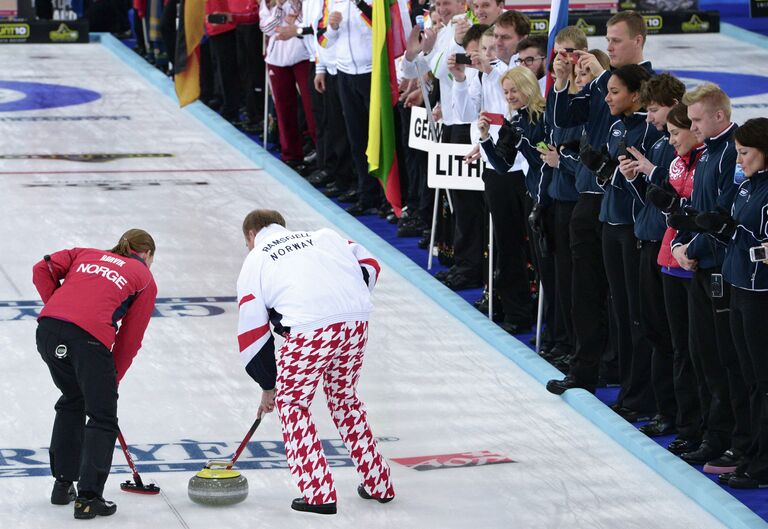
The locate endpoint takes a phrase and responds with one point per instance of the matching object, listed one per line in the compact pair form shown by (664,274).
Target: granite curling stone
(217,487)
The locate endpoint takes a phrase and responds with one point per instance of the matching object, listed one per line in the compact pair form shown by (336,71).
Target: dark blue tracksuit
(728,420)
(749,309)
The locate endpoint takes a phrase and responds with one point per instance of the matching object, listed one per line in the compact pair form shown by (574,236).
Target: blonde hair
(134,241)
(527,83)
(711,95)
(261,218)
(575,35)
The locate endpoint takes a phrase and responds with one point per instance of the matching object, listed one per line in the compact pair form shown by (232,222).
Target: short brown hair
(517,20)
(474,33)
(261,218)
(664,89)
(678,116)
(754,133)
(536,41)
(575,35)
(711,95)
(134,240)
(634,21)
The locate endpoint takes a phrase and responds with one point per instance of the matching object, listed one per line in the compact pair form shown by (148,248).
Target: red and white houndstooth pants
(335,354)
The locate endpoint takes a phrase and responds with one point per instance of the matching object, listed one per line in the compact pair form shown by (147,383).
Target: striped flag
(381,151)
(558,19)
(187,63)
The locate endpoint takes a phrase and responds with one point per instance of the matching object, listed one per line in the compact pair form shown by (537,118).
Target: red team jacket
(100,288)
(242,11)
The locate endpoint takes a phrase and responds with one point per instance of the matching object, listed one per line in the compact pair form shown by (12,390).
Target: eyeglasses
(529,60)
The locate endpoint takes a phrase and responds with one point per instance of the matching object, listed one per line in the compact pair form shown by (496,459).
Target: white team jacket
(301,281)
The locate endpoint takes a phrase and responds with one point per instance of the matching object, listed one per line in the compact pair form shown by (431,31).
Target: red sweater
(242,11)
(681,172)
(100,288)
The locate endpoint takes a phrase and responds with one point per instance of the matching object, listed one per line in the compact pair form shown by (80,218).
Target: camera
(758,253)
(463,58)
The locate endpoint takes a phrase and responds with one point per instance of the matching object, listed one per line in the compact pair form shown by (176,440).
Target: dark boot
(63,493)
(300,504)
(364,494)
(86,508)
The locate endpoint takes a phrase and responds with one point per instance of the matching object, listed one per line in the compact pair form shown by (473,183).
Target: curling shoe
(300,504)
(364,494)
(87,508)
(63,493)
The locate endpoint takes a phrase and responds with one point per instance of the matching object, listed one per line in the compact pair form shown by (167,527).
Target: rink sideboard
(43,31)
(594,23)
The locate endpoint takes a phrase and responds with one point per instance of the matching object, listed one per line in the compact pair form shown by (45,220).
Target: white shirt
(282,52)
(301,281)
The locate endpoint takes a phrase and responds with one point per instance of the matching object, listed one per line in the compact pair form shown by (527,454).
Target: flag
(381,151)
(187,63)
(558,19)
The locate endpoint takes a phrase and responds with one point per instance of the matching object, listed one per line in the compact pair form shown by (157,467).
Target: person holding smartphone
(745,227)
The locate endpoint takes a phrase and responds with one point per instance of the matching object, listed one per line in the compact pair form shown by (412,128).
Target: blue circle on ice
(734,84)
(16,96)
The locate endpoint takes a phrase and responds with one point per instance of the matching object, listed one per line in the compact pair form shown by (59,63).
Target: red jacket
(100,288)
(681,172)
(242,11)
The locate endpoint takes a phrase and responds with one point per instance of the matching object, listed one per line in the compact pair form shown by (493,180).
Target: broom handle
(124,446)
(245,441)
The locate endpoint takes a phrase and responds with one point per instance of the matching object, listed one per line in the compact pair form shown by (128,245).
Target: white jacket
(282,52)
(299,282)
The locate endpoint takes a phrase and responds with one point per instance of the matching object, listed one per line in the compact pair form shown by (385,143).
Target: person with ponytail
(85,293)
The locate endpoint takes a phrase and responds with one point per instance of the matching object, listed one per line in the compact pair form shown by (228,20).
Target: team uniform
(78,338)
(314,288)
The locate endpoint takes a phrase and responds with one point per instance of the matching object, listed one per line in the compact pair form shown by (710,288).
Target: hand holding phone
(542,146)
(463,58)
(493,118)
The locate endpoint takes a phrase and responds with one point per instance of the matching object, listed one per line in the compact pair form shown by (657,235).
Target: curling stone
(212,486)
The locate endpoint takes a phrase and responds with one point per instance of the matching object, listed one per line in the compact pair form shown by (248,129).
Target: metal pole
(432,231)
(539,317)
(490,267)
(266,94)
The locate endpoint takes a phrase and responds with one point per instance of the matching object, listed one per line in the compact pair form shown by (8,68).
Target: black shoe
(91,508)
(558,387)
(443,275)
(363,494)
(659,426)
(300,504)
(728,462)
(682,446)
(702,455)
(723,479)
(462,282)
(310,158)
(630,415)
(297,165)
(515,328)
(358,210)
(63,493)
(332,190)
(349,196)
(745,481)
(410,228)
(320,178)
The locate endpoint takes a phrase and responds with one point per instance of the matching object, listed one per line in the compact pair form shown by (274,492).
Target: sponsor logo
(443,461)
(616,132)
(539,26)
(91,158)
(586,27)
(113,184)
(14,31)
(695,25)
(654,23)
(64,34)
(743,192)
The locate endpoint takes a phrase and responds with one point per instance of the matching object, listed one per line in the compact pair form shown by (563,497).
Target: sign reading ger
(446,168)
(420,136)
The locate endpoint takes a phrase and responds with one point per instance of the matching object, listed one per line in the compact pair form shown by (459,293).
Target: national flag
(381,151)
(558,19)
(187,63)
(322,26)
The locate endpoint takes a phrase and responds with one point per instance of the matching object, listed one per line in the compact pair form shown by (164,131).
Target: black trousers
(224,51)
(168,28)
(589,289)
(355,95)
(728,422)
(749,314)
(654,320)
(337,157)
(84,371)
(505,198)
(544,265)
(688,391)
(621,256)
(560,248)
(321,118)
(251,65)
(469,217)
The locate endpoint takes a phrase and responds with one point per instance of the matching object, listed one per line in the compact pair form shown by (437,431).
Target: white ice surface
(431,385)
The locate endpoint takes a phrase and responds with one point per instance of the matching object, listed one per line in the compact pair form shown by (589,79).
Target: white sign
(420,136)
(446,168)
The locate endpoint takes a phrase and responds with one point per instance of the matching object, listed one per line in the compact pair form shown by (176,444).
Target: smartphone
(624,152)
(217,18)
(542,145)
(716,284)
(463,58)
(420,22)
(758,253)
(494,119)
